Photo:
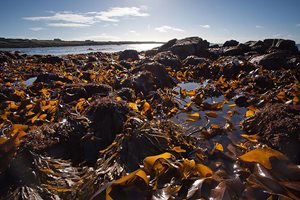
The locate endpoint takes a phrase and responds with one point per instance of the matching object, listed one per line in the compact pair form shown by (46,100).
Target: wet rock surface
(182,121)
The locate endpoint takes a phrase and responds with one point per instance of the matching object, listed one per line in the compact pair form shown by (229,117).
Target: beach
(184,120)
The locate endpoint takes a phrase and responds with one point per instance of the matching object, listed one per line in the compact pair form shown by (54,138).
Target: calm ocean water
(82,49)
(85,49)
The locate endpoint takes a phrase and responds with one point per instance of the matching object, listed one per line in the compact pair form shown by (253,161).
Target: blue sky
(155,20)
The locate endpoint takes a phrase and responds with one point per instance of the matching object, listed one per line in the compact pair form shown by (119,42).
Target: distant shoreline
(34,43)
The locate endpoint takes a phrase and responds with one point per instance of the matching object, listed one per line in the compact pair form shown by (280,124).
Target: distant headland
(31,43)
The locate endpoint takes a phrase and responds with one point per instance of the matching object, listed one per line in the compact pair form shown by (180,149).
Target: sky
(150,20)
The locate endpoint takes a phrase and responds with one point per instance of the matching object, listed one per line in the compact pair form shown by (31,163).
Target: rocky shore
(185,120)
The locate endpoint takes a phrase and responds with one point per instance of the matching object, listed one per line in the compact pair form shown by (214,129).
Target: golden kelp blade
(262,156)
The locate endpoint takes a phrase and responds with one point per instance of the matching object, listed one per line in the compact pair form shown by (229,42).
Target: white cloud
(258,26)
(298,25)
(114,14)
(64,17)
(68,25)
(36,28)
(165,29)
(133,32)
(205,26)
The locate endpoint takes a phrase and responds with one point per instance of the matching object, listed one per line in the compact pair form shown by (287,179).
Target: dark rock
(159,72)
(214,46)
(278,126)
(190,46)
(281,44)
(49,78)
(241,100)
(126,94)
(92,59)
(230,66)
(288,45)
(230,43)
(129,54)
(3,98)
(294,63)
(193,60)
(107,118)
(168,59)
(144,82)
(125,64)
(271,61)
(151,52)
(263,81)
(167,46)
(50,60)
(74,92)
(233,51)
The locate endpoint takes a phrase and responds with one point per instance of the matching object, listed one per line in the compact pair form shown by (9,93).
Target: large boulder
(186,47)
(190,46)
(230,43)
(167,46)
(281,44)
(129,54)
(273,60)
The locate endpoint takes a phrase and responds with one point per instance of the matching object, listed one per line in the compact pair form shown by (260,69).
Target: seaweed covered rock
(278,126)
(107,118)
(59,140)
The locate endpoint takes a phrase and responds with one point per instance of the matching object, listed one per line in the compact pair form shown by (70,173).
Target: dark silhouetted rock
(50,59)
(74,92)
(281,44)
(159,72)
(263,81)
(271,61)
(167,46)
(144,82)
(125,64)
(190,46)
(107,118)
(126,94)
(129,54)
(168,59)
(49,78)
(230,43)
(233,51)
